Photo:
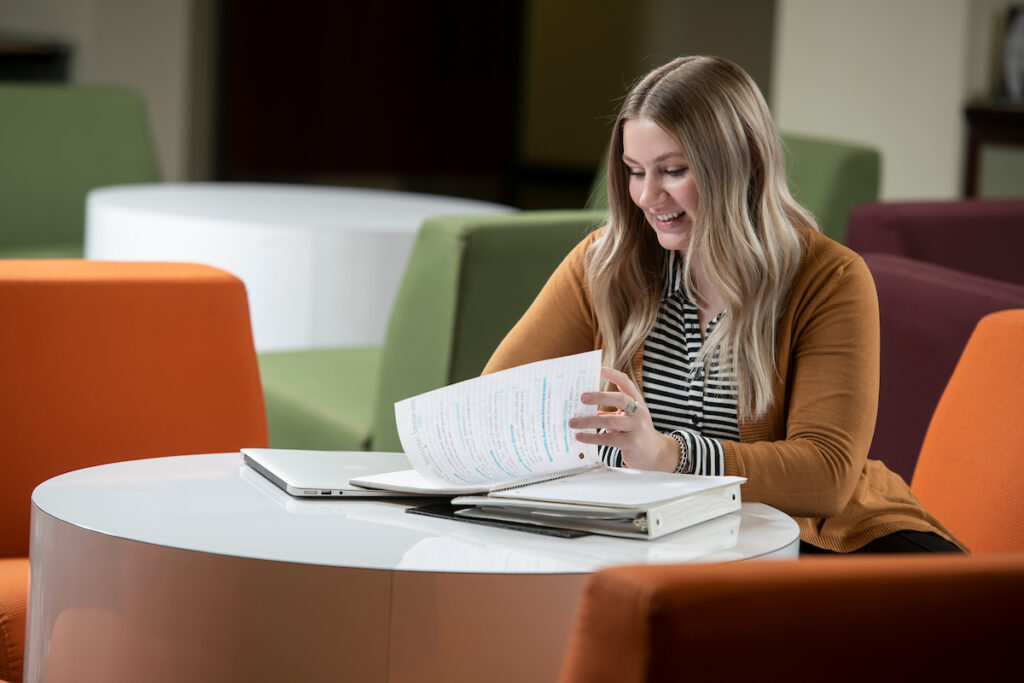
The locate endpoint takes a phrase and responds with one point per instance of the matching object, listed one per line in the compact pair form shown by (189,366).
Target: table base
(109,609)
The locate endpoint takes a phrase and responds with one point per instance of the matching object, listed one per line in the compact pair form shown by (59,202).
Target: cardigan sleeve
(813,445)
(559,322)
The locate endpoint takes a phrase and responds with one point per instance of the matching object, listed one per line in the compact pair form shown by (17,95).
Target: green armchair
(468,281)
(827,177)
(56,144)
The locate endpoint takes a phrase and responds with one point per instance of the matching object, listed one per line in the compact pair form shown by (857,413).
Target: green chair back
(469,279)
(828,178)
(56,144)
(597,200)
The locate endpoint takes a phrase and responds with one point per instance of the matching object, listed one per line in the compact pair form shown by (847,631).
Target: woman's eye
(634,172)
(676,171)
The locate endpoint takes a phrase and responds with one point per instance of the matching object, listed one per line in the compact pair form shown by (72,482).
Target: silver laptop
(323,474)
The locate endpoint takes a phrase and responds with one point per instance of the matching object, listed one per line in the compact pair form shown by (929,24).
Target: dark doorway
(416,96)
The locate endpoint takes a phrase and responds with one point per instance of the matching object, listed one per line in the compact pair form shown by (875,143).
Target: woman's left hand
(629,428)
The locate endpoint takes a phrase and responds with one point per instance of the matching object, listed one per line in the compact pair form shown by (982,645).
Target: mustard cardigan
(807,456)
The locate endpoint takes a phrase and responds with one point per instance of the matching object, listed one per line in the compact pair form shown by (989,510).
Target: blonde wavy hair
(744,235)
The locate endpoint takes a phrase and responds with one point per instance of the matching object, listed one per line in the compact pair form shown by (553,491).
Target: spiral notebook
(498,431)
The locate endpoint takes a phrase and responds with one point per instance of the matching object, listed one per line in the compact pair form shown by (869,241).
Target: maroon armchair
(927,313)
(983,237)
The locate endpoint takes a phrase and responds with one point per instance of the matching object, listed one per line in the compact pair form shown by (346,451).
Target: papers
(498,430)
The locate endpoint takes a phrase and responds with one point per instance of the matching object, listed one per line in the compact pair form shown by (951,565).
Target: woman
(738,339)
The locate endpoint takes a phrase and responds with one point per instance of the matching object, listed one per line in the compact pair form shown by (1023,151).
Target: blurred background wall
(512,99)
(161,48)
(895,74)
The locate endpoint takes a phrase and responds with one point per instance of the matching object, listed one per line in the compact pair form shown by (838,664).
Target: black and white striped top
(681,399)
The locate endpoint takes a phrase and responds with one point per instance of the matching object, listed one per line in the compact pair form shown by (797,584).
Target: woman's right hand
(629,428)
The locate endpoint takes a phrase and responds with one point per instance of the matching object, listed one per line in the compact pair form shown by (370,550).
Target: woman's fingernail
(585,397)
(574,422)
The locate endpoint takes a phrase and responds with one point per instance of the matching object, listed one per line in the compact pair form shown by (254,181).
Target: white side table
(321,265)
(197,568)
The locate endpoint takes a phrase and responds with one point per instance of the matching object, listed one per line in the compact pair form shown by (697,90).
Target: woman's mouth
(667,219)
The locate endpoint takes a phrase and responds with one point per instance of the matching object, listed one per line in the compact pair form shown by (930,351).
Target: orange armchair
(970,471)
(102,362)
(824,619)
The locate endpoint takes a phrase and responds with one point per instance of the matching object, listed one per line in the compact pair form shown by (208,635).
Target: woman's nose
(651,191)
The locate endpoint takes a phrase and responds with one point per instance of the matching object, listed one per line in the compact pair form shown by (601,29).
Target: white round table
(197,568)
(321,265)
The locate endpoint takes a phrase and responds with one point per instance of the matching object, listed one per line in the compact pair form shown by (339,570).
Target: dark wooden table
(989,121)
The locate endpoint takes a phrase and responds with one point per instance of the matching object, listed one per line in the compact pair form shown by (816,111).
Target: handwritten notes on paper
(510,425)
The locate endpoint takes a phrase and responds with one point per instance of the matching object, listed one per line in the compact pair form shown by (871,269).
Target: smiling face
(660,182)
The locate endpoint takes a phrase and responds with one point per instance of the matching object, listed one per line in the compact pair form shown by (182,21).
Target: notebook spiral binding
(549,476)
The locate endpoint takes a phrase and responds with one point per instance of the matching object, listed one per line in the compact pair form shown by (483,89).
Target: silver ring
(631,408)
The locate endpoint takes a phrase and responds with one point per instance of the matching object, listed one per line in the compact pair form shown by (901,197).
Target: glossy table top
(214,503)
(293,206)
